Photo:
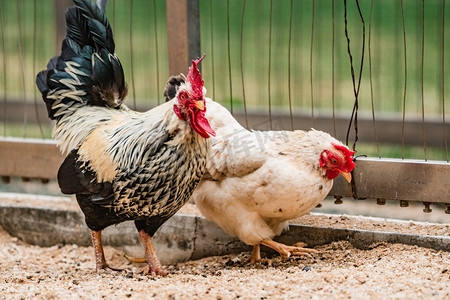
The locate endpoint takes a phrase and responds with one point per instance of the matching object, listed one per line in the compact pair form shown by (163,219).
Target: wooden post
(60,21)
(183,34)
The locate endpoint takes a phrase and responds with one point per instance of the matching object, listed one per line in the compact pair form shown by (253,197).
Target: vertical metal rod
(114,16)
(156,50)
(332,69)
(289,65)
(242,68)
(356,88)
(193,19)
(133,86)
(5,106)
(36,111)
(270,61)
(423,54)
(212,47)
(371,84)
(406,77)
(443,81)
(19,27)
(418,39)
(397,61)
(300,75)
(229,56)
(310,65)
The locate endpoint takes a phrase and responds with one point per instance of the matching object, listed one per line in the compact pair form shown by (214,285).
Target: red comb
(349,164)
(344,149)
(195,79)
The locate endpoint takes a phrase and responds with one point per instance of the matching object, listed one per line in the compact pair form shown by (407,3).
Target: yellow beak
(346,175)
(200,105)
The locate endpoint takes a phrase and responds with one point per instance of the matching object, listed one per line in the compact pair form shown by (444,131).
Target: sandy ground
(338,271)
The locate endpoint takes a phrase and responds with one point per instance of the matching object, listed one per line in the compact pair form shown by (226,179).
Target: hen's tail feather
(87,72)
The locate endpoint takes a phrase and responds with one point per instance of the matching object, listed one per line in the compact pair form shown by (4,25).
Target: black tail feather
(87,72)
(99,28)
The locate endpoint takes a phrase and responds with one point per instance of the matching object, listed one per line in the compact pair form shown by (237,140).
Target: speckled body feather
(151,164)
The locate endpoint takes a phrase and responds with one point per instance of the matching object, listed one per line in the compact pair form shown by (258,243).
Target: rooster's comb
(195,79)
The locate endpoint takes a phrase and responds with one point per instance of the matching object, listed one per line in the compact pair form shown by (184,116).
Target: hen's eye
(182,97)
(333,161)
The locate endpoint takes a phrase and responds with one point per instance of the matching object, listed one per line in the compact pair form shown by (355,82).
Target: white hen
(258,180)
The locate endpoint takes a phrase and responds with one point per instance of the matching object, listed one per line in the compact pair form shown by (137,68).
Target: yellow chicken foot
(286,251)
(100,261)
(153,266)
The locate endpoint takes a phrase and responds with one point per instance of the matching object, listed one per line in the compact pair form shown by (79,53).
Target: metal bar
(397,179)
(311,65)
(193,12)
(282,120)
(371,84)
(241,46)
(406,81)
(133,83)
(155,26)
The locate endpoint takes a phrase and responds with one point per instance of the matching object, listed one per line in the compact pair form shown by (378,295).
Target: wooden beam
(60,21)
(388,179)
(177,36)
(183,34)
(389,128)
(29,158)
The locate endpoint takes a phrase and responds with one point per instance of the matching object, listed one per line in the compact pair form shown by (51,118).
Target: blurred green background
(149,42)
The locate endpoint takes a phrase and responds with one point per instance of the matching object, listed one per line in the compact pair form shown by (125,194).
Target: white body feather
(257,181)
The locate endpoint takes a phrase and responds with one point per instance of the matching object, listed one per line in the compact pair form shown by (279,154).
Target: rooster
(121,164)
(256,181)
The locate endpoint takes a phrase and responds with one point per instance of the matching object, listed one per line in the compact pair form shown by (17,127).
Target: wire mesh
(300,43)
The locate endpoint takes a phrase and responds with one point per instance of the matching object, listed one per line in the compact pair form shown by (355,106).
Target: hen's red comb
(344,149)
(349,164)
(195,79)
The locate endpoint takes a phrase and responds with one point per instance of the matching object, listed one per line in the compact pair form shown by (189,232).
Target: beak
(346,175)
(200,105)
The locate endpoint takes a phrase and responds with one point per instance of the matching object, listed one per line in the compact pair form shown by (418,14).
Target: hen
(258,180)
(122,165)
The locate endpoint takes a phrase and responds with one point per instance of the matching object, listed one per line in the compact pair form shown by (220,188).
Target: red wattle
(331,174)
(201,125)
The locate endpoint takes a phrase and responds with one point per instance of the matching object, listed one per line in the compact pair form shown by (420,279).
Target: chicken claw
(256,255)
(153,271)
(286,251)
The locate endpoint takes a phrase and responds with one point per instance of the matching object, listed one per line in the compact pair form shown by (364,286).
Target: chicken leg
(153,266)
(256,254)
(100,260)
(284,250)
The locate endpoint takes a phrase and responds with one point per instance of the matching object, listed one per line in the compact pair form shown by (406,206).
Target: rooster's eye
(333,161)
(182,96)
